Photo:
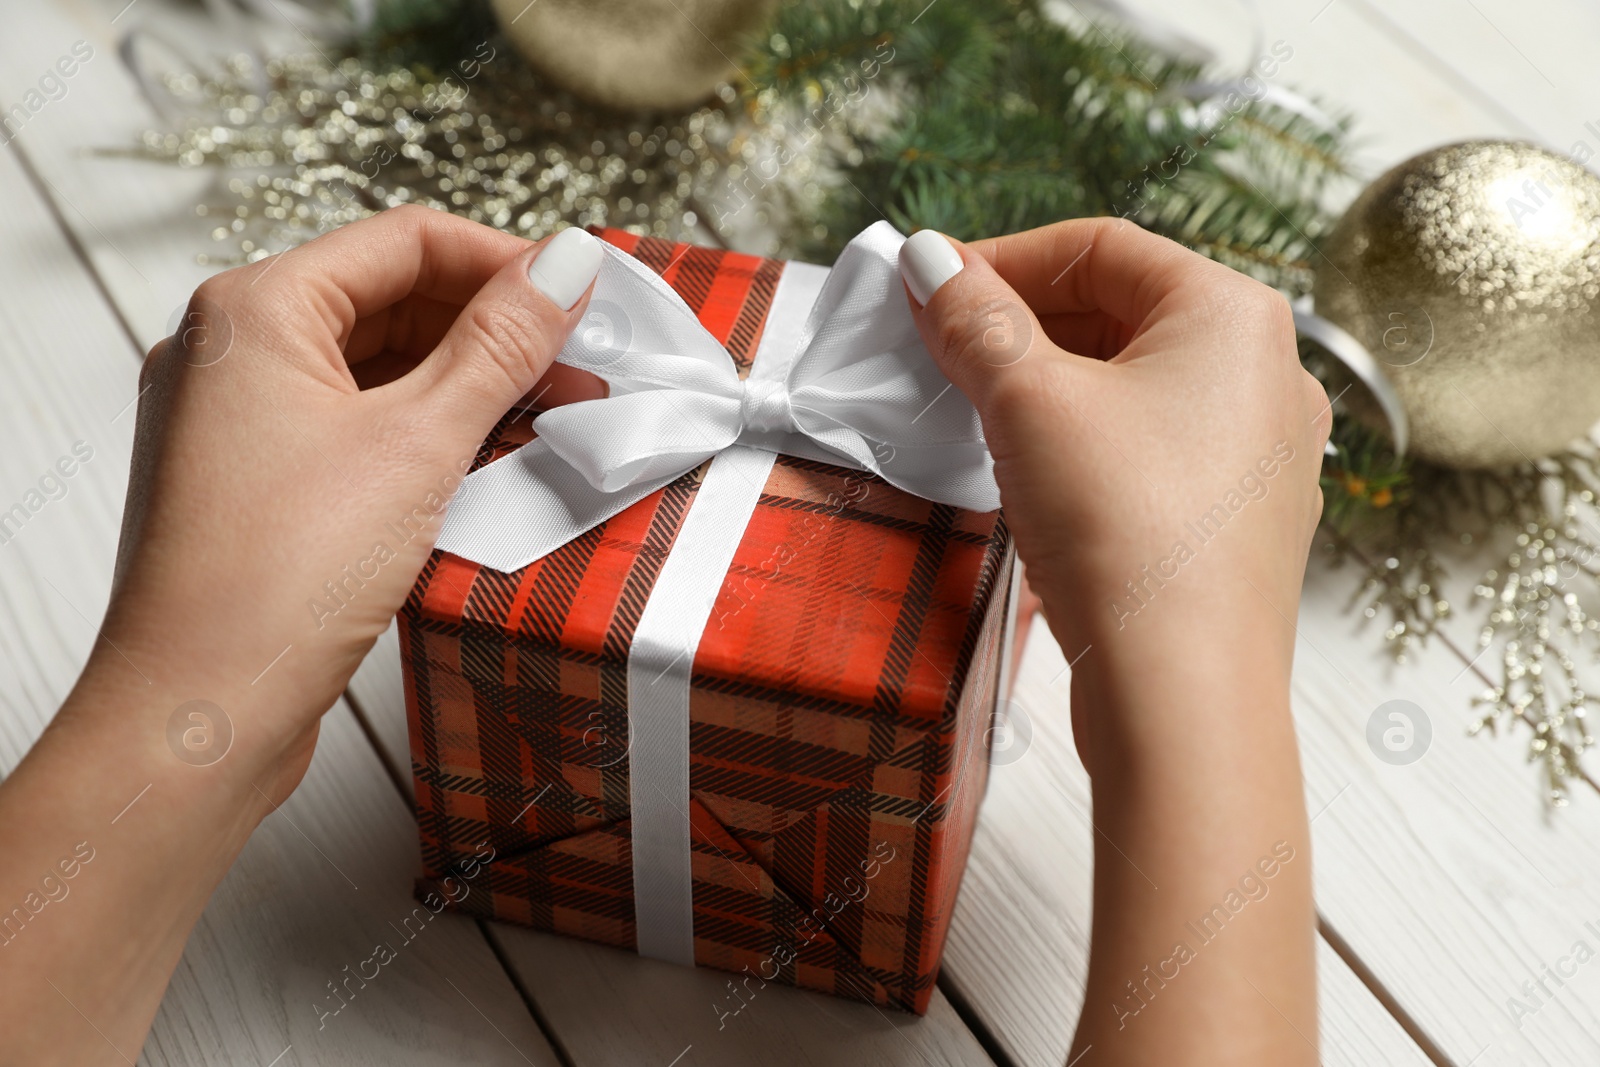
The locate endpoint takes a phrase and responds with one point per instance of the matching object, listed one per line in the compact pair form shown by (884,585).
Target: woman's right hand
(1158,447)
(1155,438)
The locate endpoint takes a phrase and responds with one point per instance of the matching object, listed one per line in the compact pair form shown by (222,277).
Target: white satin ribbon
(660,665)
(661,658)
(860,391)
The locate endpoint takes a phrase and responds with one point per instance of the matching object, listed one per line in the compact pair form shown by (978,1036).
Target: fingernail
(566,265)
(927,261)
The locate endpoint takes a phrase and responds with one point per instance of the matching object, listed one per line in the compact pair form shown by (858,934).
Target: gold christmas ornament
(1472,273)
(666,54)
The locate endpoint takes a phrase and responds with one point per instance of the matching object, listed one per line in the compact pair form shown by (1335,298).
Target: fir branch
(1014,121)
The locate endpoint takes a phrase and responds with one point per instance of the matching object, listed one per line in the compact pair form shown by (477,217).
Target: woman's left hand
(278,511)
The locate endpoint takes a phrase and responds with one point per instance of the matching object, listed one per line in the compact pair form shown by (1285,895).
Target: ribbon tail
(526,505)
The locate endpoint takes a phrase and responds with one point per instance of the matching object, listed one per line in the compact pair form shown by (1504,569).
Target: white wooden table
(1444,887)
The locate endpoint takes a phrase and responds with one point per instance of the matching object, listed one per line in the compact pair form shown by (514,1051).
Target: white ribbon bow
(856,387)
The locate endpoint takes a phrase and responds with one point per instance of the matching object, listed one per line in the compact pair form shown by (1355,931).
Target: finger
(979,331)
(363,267)
(507,336)
(1104,264)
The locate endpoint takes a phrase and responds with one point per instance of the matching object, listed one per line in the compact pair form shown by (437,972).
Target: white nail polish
(927,261)
(566,265)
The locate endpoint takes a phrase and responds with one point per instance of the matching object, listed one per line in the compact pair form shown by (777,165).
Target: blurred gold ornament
(667,54)
(1472,274)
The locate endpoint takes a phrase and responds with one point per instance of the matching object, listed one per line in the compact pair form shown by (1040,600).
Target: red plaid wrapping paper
(839,709)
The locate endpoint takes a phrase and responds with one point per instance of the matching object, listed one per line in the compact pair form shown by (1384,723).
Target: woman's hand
(278,512)
(1156,441)
(297,441)
(1158,446)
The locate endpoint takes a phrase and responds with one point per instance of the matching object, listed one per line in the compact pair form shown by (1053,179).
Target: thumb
(977,328)
(505,339)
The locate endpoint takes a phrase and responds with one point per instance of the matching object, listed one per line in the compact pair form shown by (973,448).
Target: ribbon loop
(647,436)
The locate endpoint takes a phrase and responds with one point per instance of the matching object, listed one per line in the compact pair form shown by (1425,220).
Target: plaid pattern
(839,705)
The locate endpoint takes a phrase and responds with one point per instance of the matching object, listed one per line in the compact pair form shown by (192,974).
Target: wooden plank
(1531,64)
(1448,876)
(324,878)
(581,989)
(127,213)
(1355,1027)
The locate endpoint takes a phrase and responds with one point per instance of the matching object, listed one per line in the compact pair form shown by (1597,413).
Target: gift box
(838,708)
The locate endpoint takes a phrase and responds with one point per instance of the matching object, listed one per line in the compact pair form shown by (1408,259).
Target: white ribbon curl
(854,387)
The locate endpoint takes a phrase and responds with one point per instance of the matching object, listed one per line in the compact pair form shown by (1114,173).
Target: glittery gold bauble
(1472,273)
(668,54)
